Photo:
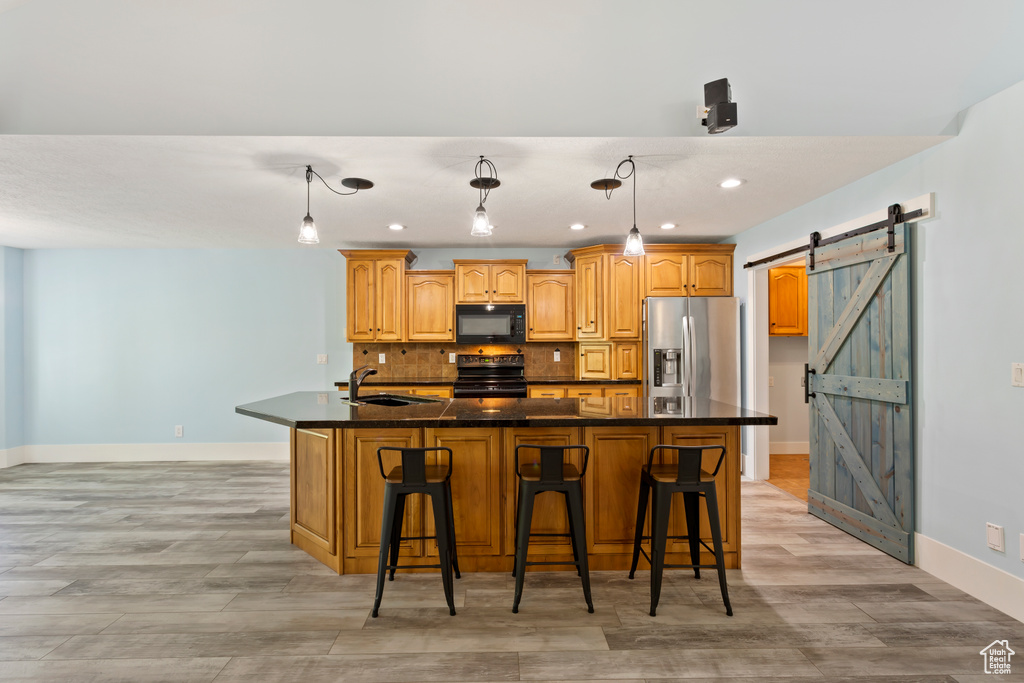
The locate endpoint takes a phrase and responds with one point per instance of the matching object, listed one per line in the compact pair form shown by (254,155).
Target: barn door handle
(807,383)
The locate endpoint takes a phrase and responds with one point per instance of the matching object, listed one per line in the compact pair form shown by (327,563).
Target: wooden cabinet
(476,489)
(550,306)
(490,282)
(666,271)
(626,363)
(787,301)
(726,488)
(590,296)
(595,360)
(545,391)
(430,305)
(364,494)
(688,269)
(375,293)
(616,456)
(548,511)
(711,274)
(624,296)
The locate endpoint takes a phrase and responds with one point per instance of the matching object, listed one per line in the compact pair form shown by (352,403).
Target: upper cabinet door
(787,301)
(430,306)
(390,285)
(624,296)
(710,274)
(508,283)
(550,314)
(590,297)
(472,283)
(667,273)
(361,301)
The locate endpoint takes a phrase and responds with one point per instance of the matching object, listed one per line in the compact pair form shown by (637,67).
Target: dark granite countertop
(425,381)
(326,410)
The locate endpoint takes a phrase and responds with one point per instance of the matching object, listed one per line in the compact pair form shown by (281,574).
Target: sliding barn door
(861,440)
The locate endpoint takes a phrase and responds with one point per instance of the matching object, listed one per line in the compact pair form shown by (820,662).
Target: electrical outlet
(179,431)
(321,359)
(558,356)
(771,381)
(321,399)
(1017,374)
(451,357)
(380,358)
(803,380)
(994,533)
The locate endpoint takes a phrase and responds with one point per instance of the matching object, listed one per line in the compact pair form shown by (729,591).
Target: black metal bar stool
(689,478)
(551,473)
(415,476)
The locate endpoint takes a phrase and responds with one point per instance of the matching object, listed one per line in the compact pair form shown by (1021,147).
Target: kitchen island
(337,491)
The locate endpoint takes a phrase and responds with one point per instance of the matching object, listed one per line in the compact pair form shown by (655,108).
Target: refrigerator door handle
(687,361)
(692,330)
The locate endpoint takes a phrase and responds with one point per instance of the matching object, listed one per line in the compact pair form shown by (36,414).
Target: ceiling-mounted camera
(719,112)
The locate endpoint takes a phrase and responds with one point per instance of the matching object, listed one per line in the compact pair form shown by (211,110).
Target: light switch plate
(994,534)
(321,359)
(1017,374)
(380,358)
(558,356)
(451,357)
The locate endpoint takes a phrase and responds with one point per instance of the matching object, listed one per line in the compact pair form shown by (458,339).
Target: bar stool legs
(657,484)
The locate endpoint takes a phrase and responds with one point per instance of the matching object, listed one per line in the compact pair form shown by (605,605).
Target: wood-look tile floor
(183,572)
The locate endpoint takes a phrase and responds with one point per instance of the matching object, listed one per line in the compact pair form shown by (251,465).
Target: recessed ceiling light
(730,182)
(577,226)
(668,226)
(396,226)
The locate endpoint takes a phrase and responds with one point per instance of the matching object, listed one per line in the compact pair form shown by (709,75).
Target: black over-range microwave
(490,323)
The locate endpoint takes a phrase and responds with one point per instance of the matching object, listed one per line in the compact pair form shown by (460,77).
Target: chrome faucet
(355,379)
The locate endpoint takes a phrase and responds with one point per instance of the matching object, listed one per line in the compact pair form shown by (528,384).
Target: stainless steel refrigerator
(692,348)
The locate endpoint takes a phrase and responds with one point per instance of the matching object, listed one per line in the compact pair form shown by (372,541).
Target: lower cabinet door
(364,491)
(476,489)
(726,488)
(613,484)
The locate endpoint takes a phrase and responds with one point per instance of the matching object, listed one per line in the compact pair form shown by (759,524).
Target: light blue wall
(12,376)
(122,345)
(441,259)
(968,321)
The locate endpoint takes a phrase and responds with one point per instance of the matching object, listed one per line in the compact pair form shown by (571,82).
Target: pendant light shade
(307,232)
(634,243)
(483,184)
(481,224)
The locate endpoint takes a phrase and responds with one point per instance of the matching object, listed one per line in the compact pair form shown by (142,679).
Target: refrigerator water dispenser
(668,367)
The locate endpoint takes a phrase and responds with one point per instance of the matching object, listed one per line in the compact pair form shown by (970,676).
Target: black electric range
(480,376)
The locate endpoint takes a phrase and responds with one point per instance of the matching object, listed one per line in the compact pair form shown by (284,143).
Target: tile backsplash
(430,360)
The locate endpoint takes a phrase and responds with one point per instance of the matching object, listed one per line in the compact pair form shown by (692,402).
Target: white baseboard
(991,585)
(144,452)
(12,456)
(788,447)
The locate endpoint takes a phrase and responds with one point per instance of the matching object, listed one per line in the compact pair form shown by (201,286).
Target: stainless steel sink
(395,400)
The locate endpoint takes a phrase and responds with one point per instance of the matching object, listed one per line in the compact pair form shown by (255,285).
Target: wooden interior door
(861,440)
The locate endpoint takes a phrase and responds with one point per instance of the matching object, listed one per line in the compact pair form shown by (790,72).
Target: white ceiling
(188,124)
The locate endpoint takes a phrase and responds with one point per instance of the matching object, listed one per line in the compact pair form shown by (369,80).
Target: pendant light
(484,184)
(307,231)
(634,242)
